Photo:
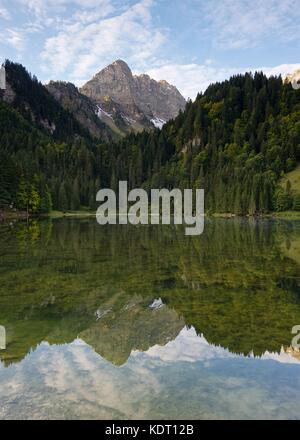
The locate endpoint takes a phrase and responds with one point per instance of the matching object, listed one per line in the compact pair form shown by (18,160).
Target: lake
(143,322)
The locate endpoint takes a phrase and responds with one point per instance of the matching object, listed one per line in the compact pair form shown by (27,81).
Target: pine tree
(75,196)
(22,196)
(63,204)
(283,200)
(34,199)
(27,196)
(296,202)
(46,205)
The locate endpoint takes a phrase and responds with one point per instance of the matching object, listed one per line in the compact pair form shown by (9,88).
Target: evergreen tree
(283,200)
(296,202)
(237,140)
(63,204)
(75,196)
(27,197)
(46,205)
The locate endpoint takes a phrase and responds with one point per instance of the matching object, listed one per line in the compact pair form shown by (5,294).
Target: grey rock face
(159,99)
(139,97)
(294,79)
(8,94)
(82,108)
(115,82)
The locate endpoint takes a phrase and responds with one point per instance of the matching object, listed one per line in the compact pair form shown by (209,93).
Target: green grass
(287,215)
(294,178)
(82,213)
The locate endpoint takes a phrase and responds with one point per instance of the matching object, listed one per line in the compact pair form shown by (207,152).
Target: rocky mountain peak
(120,64)
(138,97)
(117,69)
(115,82)
(293,78)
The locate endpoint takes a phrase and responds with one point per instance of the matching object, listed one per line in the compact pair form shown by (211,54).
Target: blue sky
(190,43)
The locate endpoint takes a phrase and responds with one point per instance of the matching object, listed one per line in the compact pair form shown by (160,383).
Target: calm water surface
(144,322)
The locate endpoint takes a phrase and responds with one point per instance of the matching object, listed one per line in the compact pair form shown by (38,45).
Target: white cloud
(42,7)
(4,13)
(282,69)
(190,78)
(239,24)
(193,78)
(14,38)
(38,7)
(83,36)
(84,46)
(188,346)
(54,14)
(88,16)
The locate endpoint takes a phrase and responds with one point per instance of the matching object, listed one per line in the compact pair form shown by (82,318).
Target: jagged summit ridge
(138,96)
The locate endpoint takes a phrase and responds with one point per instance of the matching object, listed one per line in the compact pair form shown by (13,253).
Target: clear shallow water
(84,342)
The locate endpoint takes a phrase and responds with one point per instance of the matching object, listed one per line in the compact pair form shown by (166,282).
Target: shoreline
(284,215)
(21,215)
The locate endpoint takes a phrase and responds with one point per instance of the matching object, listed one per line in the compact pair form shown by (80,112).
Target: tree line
(236,140)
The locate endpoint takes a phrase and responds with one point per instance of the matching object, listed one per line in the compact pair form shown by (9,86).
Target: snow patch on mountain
(100,113)
(156,304)
(130,121)
(158,123)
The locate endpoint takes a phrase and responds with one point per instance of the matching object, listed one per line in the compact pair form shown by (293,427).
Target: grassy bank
(13,215)
(60,214)
(20,215)
(287,215)
(294,178)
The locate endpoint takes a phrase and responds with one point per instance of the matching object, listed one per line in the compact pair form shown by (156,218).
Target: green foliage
(283,200)
(8,181)
(296,202)
(236,141)
(236,270)
(63,204)
(27,196)
(46,204)
(37,105)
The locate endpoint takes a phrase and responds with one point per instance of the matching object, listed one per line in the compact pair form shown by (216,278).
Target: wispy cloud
(239,24)
(42,8)
(82,45)
(15,38)
(193,78)
(73,39)
(4,14)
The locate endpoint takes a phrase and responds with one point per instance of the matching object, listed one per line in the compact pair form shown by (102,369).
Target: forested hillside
(33,101)
(237,140)
(42,168)
(39,173)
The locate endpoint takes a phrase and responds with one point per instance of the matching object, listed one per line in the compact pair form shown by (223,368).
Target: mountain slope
(294,178)
(235,141)
(158,100)
(47,158)
(140,99)
(33,101)
(81,108)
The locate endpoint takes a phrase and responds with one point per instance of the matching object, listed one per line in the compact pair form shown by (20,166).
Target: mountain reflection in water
(137,322)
